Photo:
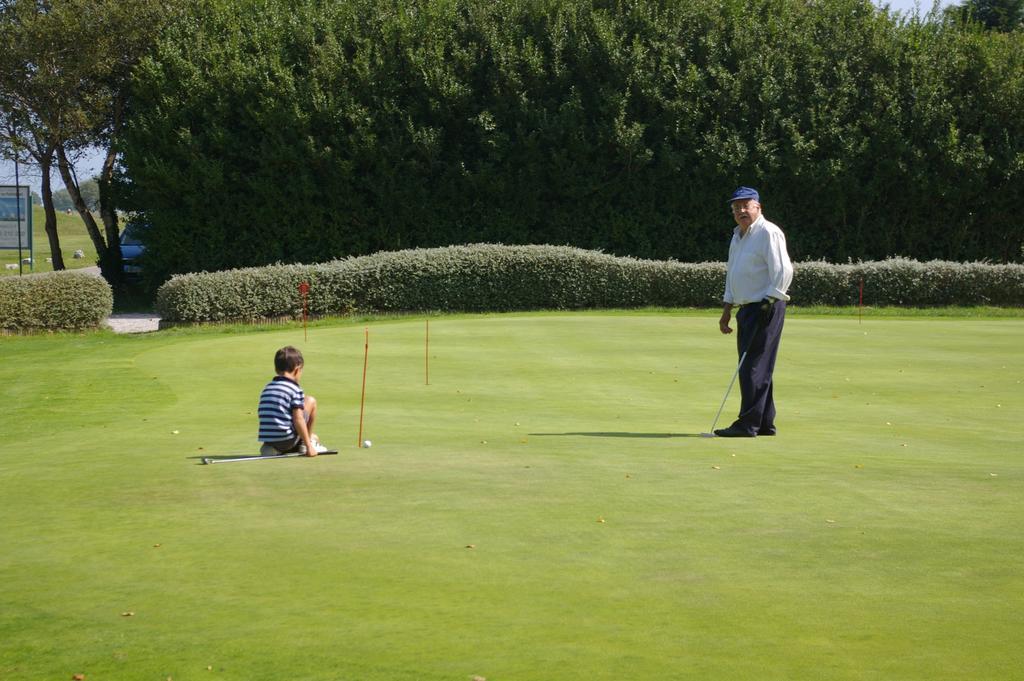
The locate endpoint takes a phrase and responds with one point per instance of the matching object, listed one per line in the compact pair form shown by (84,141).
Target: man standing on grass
(757,278)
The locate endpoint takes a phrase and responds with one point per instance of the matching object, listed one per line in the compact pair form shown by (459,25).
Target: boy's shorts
(286,446)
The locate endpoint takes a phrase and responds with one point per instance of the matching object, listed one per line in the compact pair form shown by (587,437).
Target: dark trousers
(757,407)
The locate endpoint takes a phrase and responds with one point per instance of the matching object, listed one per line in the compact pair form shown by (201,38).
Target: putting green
(543,509)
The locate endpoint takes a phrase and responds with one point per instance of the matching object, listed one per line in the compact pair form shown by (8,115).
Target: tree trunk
(107,211)
(110,271)
(45,165)
(111,264)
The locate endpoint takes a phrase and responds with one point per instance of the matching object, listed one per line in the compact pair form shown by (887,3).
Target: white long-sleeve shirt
(759,266)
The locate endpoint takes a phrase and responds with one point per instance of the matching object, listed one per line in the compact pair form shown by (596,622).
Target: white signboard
(10,211)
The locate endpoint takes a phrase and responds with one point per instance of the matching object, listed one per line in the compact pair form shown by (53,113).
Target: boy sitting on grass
(286,413)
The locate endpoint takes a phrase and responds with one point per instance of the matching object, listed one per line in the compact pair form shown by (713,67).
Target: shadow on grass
(619,434)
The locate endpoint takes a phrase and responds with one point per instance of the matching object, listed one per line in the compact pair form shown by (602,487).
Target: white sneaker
(319,447)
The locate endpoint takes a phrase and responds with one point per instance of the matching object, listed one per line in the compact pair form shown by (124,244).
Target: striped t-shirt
(278,400)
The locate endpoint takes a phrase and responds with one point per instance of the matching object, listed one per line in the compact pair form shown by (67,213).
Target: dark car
(131,250)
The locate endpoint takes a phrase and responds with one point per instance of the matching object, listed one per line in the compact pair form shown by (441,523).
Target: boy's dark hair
(287,359)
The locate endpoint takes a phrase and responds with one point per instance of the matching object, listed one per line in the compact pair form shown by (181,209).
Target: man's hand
(723,322)
(766,311)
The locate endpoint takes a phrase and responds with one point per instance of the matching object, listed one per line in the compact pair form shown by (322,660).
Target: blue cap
(743,193)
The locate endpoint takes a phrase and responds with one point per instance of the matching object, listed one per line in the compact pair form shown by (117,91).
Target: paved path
(129,322)
(133,322)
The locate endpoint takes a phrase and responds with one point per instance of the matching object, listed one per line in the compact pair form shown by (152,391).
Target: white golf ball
(367,443)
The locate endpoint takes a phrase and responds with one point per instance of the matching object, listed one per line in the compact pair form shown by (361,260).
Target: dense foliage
(494,278)
(996,15)
(269,131)
(54,301)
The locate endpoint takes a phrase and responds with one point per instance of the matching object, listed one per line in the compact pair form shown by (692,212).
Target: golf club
(757,327)
(714,423)
(290,455)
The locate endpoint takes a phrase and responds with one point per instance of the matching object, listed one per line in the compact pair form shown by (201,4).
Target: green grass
(878,537)
(73,236)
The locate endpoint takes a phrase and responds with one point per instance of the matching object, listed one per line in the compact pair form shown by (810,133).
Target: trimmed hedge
(339,129)
(477,278)
(903,282)
(497,278)
(54,301)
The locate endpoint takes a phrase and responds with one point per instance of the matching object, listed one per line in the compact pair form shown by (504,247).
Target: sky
(904,6)
(89,165)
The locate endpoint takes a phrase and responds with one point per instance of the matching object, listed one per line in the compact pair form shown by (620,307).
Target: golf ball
(367,443)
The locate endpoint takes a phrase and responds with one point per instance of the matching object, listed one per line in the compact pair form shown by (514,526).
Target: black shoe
(733,431)
(767,432)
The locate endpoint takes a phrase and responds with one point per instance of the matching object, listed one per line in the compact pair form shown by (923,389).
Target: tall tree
(64,72)
(997,15)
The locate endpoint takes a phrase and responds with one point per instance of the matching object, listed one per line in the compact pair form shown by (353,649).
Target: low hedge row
(54,301)
(909,283)
(476,278)
(496,278)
